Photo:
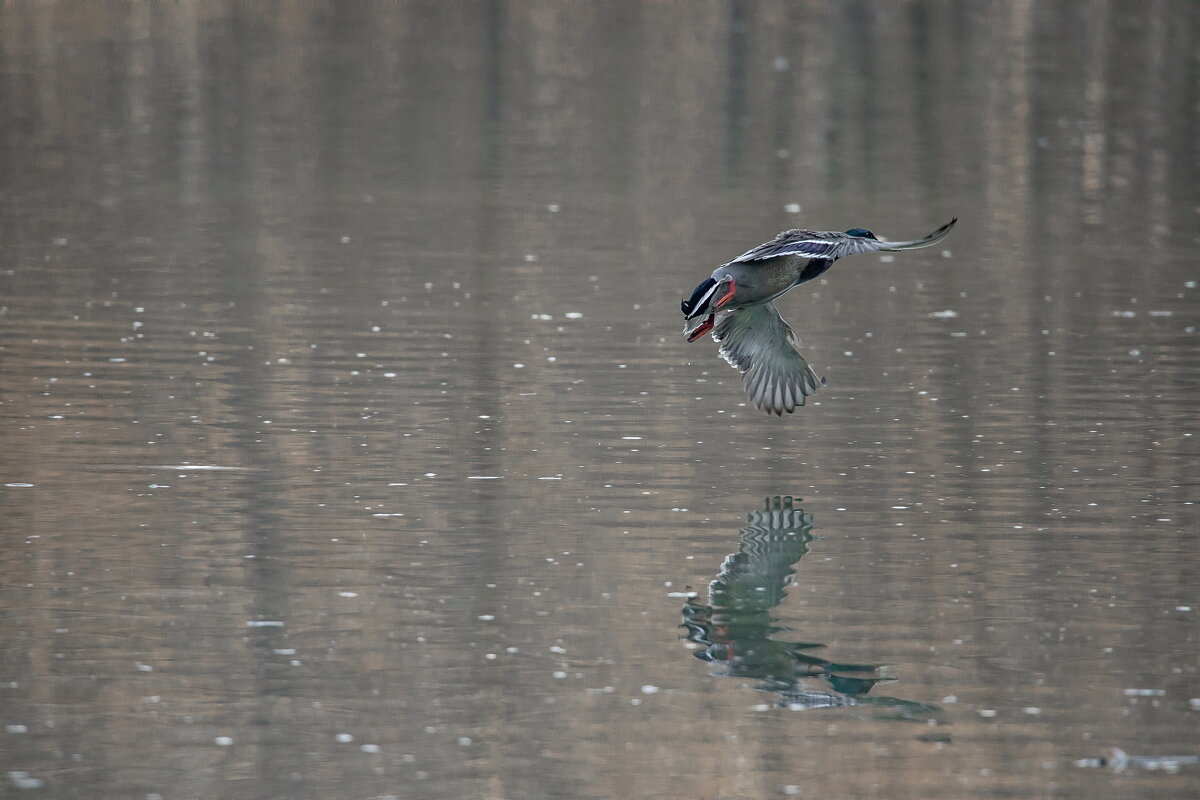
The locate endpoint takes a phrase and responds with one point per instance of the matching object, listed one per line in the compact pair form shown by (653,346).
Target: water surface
(349,447)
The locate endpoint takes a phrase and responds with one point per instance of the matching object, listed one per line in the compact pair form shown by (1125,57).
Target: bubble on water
(224,741)
(344,738)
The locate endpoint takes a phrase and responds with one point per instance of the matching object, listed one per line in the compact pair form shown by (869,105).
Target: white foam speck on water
(117,360)
(21,779)
(487,617)
(264,623)
(369,748)
(649,688)
(1032,711)
(550,478)
(573,315)
(284,651)
(483,477)
(223,741)
(987,713)
(632,438)
(792,208)
(19,485)
(1145,692)
(559,675)
(344,738)
(398,514)
(15,729)
(947,314)
(347,594)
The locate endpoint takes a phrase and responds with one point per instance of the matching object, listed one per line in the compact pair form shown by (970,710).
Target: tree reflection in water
(736,631)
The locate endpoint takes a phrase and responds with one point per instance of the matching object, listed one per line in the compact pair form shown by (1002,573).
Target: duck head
(861,233)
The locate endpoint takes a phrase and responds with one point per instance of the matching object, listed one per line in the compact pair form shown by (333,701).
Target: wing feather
(757,342)
(833,245)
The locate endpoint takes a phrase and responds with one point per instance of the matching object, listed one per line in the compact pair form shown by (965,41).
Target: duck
(736,304)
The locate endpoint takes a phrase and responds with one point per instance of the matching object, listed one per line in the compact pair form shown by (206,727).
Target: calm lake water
(349,447)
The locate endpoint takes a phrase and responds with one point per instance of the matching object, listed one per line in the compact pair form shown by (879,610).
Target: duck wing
(757,341)
(833,245)
(933,238)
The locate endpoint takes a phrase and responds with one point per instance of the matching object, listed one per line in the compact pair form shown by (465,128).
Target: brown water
(349,447)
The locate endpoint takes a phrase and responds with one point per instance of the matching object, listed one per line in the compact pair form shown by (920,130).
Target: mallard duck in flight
(737,304)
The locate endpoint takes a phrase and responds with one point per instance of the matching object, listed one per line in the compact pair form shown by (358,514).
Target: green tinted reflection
(736,631)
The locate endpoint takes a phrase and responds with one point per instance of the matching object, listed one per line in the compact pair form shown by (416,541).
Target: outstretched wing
(833,245)
(796,242)
(757,341)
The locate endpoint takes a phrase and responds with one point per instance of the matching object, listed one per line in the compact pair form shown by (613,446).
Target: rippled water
(349,446)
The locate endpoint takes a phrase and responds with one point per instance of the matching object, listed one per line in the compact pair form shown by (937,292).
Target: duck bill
(703,328)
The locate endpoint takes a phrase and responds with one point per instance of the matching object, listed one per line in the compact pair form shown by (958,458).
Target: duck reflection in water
(736,631)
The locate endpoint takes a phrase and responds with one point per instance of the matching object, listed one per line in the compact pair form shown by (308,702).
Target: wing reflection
(736,631)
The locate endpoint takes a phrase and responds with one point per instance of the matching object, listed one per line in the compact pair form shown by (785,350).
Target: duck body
(736,303)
